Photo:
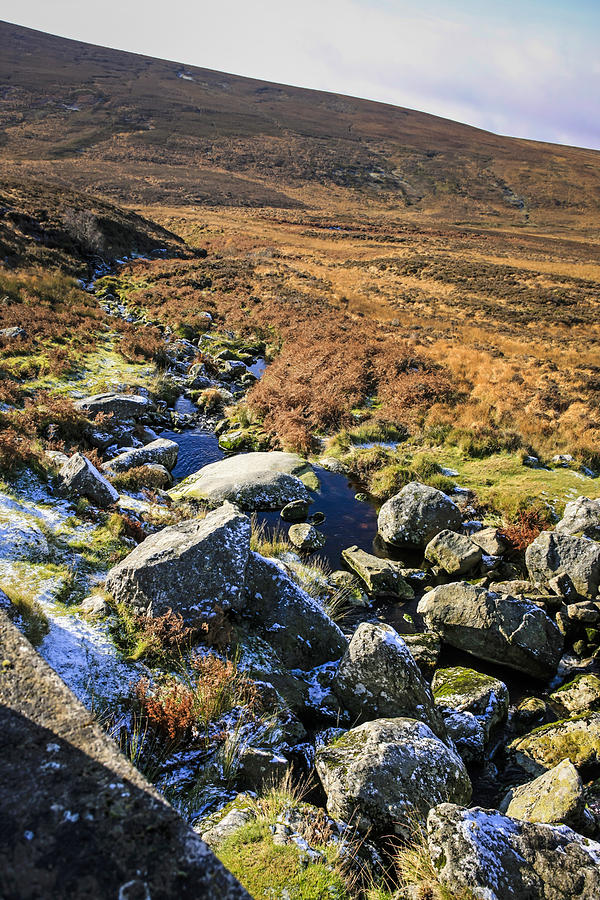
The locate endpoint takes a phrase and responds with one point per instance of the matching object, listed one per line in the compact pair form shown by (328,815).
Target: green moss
(267,870)
(459,681)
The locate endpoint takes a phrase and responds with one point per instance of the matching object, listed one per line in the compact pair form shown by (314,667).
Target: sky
(527,68)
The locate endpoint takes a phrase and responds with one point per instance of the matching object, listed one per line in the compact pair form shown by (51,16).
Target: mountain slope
(144,130)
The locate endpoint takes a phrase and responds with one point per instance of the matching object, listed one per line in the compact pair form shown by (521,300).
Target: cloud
(528,69)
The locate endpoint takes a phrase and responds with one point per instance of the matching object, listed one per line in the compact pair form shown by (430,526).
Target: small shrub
(137,478)
(524,530)
(169,707)
(210,400)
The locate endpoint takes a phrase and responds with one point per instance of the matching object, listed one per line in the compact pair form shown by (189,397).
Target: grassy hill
(147,131)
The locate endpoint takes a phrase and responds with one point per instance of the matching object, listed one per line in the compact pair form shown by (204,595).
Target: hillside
(147,131)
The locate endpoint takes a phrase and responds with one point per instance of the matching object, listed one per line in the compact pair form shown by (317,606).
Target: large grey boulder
(120,406)
(577,739)
(290,620)
(494,857)
(261,480)
(378,678)
(80,476)
(415,515)
(498,628)
(190,567)
(581,517)
(389,773)
(553,553)
(555,798)
(160,452)
(452,552)
(465,690)
(381,576)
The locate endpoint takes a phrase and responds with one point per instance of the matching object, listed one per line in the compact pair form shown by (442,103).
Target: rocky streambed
(426,674)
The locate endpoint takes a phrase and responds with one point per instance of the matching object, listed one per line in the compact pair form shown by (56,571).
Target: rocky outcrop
(190,567)
(381,576)
(494,857)
(79,476)
(498,628)
(288,618)
(454,553)
(119,406)
(378,678)
(415,515)
(554,798)
(252,480)
(553,553)
(386,774)
(577,739)
(160,452)
(581,517)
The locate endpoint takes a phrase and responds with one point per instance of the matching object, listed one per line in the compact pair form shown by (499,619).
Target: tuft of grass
(27,613)
(417,873)
(268,541)
(159,640)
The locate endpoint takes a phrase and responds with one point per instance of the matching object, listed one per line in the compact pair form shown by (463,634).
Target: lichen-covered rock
(495,857)
(161,451)
(425,649)
(454,553)
(378,678)
(381,576)
(306,537)
(222,824)
(495,627)
(581,517)
(554,553)
(415,515)
(289,619)
(120,406)
(465,690)
(580,695)
(190,567)
(577,739)
(388,773)
(555,797)
(260,480)
(80,476)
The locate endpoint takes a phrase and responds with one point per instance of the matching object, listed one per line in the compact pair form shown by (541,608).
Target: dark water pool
(347,520)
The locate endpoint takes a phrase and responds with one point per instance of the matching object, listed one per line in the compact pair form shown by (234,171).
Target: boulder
(120,406)
(190,567)
(259,767)
(484,854)
(555,797)
(490,540)
(378,678)
(581,517)
(577,739)
(160,452)
(260,480)
(465,690)
(305,537)
(580,695)
(14,333)
(296,511)
(222,824)
(387,774)
(425,649)
(381,576)
(466,731)
(80,476)
(289,619)
(495,627)
(415,515)
(452,552)
(553,553)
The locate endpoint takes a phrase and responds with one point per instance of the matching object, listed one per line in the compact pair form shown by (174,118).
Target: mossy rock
(577,739)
